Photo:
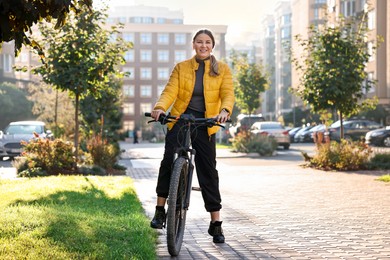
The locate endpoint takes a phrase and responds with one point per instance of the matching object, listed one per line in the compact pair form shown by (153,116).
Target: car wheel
(386,141)
(286,146)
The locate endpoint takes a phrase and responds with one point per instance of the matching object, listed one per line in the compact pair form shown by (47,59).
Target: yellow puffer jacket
(218,90)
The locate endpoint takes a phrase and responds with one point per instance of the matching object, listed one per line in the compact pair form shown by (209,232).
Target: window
(145,107)
(146,38)
(146,73)
(7,62)
(146,91)
(129,71)
(163,56)
(128,108)
(161,20)
(348,7)
(163,73)
(122,19)
(146,55)
(370,50)
(177,21)
(180,56)
(180,39)
(163,38)
(129,55)
(128,37)
(371,20)
(128,125)
(128,90)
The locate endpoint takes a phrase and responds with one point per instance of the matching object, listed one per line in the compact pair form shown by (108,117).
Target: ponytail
(213,66)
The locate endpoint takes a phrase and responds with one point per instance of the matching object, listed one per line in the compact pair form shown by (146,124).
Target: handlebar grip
(148,114)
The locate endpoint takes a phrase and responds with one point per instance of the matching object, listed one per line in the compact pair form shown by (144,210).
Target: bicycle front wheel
(176,214)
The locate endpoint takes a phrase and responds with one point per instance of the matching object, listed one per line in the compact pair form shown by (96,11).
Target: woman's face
(203,45)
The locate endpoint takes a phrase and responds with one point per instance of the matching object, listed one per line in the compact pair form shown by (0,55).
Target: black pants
(205,162)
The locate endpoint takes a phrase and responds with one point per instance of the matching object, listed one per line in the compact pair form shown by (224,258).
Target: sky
(242,16)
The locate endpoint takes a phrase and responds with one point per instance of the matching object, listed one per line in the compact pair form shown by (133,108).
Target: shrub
(380,161)
(45,157)
(102,153)
(246,142)
(344,156)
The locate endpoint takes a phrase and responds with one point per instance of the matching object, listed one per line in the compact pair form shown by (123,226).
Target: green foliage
(18,16)
(103,113)
(83,59)
(56,108)
(249,83)
(380,161)
(333,68)
(46,157)
(14,104)
(102,153)
(245,142)
(385,178)
(343,156)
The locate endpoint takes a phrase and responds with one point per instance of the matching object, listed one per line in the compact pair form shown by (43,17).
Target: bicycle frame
(186,151)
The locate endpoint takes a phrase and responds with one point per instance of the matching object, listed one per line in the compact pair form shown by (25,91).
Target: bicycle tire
(176,213)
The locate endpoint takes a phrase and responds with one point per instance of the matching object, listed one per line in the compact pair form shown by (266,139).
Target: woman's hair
(213,60)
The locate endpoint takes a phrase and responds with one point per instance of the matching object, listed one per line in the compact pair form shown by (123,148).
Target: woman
(203,87)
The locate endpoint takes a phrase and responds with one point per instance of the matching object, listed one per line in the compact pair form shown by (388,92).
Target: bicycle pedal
(196,188)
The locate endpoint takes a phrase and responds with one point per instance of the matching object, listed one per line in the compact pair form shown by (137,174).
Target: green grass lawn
(73,217)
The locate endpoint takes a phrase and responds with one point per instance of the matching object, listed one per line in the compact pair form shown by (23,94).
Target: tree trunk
(341,125)
(76,131)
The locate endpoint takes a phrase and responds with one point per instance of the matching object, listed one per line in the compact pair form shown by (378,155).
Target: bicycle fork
(190,174)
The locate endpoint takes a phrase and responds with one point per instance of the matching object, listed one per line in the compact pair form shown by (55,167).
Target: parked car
(355,129)
(292,133)
(274,129)
(379,137)
(316,129)
(15,132)
(300,135)
(244,122)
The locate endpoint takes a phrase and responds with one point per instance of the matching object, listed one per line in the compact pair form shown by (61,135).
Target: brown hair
(213,60)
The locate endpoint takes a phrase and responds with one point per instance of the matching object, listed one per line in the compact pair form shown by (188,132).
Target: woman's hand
(223,116)
(156,114)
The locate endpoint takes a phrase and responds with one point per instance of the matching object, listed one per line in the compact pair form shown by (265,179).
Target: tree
(82,58)
(249,82)
(53,107)
(14,104)
(333,68)
(18,16)
(103,113)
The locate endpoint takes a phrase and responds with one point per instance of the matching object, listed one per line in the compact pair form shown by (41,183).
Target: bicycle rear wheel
(176,214)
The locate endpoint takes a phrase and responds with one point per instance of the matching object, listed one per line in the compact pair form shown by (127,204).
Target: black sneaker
(158,220)
(215,230)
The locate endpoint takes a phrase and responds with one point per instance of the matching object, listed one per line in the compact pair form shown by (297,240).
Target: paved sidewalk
(275,209)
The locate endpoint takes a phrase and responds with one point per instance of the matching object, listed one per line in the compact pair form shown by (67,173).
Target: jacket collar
(195,64)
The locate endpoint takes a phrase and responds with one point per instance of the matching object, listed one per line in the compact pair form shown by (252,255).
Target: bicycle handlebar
(163,119)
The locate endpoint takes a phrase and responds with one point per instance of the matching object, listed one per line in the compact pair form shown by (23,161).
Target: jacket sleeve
(170,92)
(227,90)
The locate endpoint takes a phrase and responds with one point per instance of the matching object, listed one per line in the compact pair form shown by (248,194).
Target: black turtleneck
(197,100)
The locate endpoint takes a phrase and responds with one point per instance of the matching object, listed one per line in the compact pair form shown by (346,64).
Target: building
(160,41)
(276,45)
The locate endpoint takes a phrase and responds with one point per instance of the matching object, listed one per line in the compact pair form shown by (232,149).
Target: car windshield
(24,129)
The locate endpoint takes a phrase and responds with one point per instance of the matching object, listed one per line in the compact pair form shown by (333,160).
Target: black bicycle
(181,178)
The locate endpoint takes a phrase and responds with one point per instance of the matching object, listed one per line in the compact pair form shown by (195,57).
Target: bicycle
(181,178)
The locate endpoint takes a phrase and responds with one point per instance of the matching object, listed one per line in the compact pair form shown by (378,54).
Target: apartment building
(160,41)
(276,44)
